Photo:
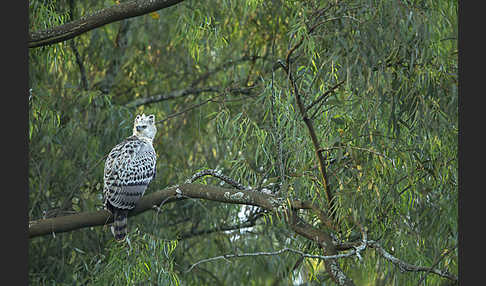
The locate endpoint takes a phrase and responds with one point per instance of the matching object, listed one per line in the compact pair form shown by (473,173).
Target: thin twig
(171,95)
(215,173)
(323,96)
(223,66)
(187,109)
(357,148)
(185,92)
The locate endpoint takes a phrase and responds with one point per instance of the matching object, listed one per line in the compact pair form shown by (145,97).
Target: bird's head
(144,126)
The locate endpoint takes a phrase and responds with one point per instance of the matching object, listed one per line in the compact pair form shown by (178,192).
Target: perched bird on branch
(129,168)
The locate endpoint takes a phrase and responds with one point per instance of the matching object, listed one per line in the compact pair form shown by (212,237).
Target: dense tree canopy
(299,142)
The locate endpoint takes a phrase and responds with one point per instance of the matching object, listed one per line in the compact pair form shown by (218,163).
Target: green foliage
(125,263)
(147,260)
(389,134)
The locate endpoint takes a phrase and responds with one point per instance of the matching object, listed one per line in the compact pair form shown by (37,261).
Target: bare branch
(105,16)
(217,174)
(404,266)
(354,252)
(264,253)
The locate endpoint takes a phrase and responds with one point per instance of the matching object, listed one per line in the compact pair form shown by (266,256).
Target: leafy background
(390,130)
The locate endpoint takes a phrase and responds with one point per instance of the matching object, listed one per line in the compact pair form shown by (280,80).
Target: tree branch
(437,261)
(226,195)
(186,109)
(79,61)
(218,174)
(356,250)
(323,96)
(168,195)
(185,92)
(171,95)
(265,253)
(404,266)
(303,110)
(223,66)
(324,240)
(312,133)
(105,16)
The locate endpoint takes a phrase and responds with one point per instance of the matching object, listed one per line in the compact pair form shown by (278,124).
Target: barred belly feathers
(129,168)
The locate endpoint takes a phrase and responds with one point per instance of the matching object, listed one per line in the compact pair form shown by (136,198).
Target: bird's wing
(129,168)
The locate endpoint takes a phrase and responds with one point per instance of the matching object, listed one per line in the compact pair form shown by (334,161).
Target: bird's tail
(119,227)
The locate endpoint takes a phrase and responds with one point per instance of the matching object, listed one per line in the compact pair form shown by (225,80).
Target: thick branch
(105,16)
(225,195)
(168,195)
